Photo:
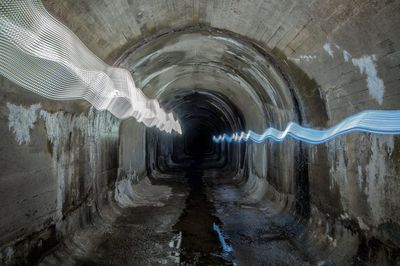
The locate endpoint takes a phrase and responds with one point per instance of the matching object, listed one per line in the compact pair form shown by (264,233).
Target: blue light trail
(227,248)
(370,121)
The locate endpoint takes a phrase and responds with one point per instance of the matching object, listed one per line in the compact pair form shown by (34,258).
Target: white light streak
(42,55)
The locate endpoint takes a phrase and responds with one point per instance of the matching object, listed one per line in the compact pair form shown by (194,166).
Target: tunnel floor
(181,232)
(200,244)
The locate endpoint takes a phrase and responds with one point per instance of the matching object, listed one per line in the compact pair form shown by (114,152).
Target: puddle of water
(200,243)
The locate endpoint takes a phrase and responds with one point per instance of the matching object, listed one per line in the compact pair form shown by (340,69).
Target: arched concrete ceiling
(324,42)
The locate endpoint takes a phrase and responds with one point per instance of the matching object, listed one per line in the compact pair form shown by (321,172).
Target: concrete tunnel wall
(58,164)
(334,58)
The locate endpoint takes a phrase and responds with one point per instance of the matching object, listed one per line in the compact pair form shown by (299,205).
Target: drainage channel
(202,240)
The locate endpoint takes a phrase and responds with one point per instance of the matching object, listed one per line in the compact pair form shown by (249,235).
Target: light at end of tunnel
(370,121)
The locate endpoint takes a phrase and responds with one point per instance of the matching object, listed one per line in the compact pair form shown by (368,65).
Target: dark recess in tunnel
(202,115)
(197,140)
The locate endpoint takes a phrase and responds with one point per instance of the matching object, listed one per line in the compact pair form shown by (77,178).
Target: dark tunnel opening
(202,114)
(193,154)
(198,139)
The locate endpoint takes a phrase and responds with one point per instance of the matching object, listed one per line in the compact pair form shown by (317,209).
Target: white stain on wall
(367,66)
(327,47)
(60,124)
(304,58)
(360,177)
(338,169)
(378,170)
(346,56)
(308,58)
(21,120)
(62,129)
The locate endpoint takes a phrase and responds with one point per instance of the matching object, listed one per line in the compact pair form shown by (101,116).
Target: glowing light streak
(42,55)
(370,121)
(226,248)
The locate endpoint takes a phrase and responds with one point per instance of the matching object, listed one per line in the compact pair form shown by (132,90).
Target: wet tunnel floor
(181,231)
(200,243)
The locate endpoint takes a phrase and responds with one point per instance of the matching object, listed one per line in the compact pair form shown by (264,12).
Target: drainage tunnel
(87,185)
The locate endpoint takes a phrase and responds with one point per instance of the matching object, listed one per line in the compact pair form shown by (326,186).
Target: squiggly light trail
(370,121)
(42,55)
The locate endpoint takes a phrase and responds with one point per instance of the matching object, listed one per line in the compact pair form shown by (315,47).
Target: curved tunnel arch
(229,71)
